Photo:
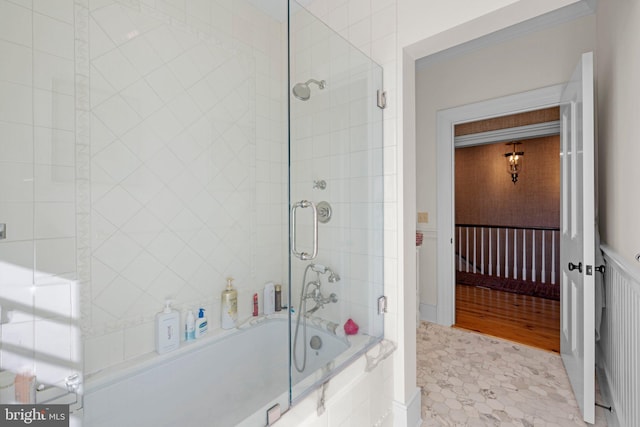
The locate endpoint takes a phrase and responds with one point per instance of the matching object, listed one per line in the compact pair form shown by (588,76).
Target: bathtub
(227,380)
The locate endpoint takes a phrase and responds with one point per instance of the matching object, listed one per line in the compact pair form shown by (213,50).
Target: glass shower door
(39,281)
(336,201)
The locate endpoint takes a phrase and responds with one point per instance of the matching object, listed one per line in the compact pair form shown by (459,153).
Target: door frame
(445,121)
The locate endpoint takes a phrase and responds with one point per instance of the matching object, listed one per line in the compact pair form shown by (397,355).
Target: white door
(577,252)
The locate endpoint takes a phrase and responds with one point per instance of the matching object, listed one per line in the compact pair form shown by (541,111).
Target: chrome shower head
(302,91)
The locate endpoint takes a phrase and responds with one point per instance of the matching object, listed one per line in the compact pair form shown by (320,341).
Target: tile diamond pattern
(179,113)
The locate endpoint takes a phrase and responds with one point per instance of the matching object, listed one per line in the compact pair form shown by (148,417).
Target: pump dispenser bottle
(229,309)
(201,324)
(167,329)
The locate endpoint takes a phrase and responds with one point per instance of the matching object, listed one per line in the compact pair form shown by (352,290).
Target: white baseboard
(429,312)
(408,415)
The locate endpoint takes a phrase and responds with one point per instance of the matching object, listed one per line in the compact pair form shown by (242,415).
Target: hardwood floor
(528,320)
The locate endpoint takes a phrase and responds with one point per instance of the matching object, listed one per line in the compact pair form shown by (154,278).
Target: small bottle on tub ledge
(229,311)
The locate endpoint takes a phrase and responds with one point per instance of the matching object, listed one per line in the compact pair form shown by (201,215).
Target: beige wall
(536,60)
(485,194)
(618,90)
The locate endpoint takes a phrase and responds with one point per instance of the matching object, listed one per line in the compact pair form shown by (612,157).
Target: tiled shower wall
(187,164)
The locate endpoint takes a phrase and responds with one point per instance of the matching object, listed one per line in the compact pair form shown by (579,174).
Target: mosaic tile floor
(468,379)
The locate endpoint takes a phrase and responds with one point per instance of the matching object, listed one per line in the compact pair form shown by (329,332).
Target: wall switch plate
(423,217)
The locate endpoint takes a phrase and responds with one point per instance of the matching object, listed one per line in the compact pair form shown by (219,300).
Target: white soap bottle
(269,298)
(201,324)
(190,327)
(167,329)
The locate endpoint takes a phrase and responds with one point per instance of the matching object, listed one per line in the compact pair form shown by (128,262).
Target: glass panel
(39,324)
(335,161)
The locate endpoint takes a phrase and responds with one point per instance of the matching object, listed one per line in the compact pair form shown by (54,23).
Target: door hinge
(381,99)
(382,304)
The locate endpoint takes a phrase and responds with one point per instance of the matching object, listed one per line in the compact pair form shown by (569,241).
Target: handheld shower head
(319,268)
(322,269)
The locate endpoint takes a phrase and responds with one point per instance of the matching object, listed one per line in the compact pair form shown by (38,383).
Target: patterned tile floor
(468,379)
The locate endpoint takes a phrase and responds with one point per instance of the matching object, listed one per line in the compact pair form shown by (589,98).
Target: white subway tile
(54,147)
(53,36)
(15,23)
(55,220)
(53,110)
(61,10)
(54,183)
(16,103)
(19,219)
(16,144)
(16,64)
(54,257)
(53,73)
(17,182)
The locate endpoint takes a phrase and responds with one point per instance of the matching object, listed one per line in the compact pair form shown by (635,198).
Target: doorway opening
(507,214)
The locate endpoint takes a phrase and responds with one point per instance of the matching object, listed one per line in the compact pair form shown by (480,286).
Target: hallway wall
(485,193)
(515,66)
(618,131)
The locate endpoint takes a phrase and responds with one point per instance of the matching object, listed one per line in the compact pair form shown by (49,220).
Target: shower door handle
(294,247)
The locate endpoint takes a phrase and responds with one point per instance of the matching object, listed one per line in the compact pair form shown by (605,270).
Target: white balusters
(515,254)
(544,259)
(502,255)
(506,253)
(475,266)
(490,254)
(467,257)
(498,252)
(524,254)
(553,257)
(459,248)
(533,255)
(482,250)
